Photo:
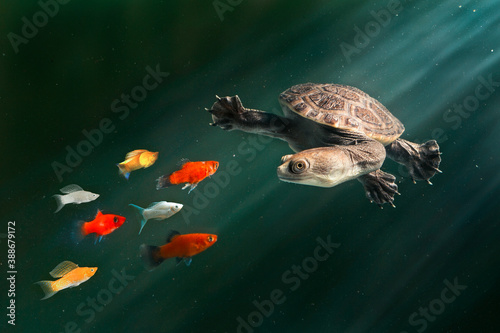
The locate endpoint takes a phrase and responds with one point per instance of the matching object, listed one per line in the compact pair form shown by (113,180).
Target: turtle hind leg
(380,187)
(421,160)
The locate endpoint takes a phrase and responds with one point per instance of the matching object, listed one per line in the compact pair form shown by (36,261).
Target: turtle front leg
(380,187)
(422,160)
(229,114)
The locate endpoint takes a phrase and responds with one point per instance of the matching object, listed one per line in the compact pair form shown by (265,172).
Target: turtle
(338,133)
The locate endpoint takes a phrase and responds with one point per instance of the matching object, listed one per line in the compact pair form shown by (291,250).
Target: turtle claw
(380,187)
(227,112)
(425,163)
(437,170)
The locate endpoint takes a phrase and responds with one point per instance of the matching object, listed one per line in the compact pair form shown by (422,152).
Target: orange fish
(70,276)
(135,160)
(102,225)
(191,173)
(182,247)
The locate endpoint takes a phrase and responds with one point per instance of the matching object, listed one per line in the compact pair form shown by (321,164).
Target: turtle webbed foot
(425,162)
(425,166)
(380,187)
(421,160)
(227,112)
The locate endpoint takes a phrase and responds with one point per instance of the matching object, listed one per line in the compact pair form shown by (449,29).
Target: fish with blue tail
(157,211)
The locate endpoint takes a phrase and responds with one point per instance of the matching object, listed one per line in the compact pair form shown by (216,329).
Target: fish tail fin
(150,256)
(76,232)
(163,182)
(143,223)
(83,228)
(141,215)
(123,171)
(59,201)
(48,288)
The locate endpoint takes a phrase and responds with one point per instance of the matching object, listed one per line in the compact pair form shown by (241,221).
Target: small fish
(102,225)
(158,211)
(182,247)
(191,173)
(135,160)
(74,194)
(70,276)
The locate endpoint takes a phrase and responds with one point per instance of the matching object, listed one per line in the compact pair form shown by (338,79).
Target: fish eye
(298,166)
(91,269)
(115,219)
(210,239)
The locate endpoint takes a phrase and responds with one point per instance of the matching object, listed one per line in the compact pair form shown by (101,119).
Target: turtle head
(322,167)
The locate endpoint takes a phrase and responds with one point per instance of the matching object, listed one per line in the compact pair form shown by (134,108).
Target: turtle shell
(343,107)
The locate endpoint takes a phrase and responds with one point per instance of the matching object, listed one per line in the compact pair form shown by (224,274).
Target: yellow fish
(137,159)
(70,276)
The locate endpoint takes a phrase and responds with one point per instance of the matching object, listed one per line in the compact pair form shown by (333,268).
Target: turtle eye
(298,166)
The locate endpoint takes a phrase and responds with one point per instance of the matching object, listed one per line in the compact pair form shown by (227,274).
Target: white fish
(74,194)
(157,211)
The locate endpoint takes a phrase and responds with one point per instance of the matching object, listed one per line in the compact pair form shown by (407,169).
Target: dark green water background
(390,262)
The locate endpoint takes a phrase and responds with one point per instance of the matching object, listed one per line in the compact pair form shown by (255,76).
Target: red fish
(191,173)
(102,225)
(182,247)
